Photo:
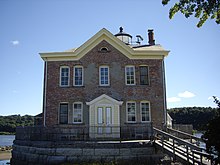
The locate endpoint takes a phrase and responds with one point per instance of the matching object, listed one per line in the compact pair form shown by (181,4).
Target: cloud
(173,99)
(211,98)
(186,94)
(15,42)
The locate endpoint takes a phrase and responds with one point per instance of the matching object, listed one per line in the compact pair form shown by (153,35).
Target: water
(201,144)
(4,162)
(6,140)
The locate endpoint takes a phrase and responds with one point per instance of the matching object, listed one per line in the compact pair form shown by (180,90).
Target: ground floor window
(63,113)
(131,111)
(77,112)
(145,111)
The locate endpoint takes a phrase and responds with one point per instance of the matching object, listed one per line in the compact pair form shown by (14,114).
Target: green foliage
(9,123)
(212,134)
(201,9)
(197,116)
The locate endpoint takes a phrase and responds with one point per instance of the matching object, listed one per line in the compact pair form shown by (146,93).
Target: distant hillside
(9,123)
(197,116)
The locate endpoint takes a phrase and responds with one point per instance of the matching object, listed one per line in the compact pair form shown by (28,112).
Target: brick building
(109,85)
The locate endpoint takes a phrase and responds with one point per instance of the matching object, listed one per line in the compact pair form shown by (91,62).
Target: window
(78,76)
(104,76)
(145,111)
(103,50)
(131,112)
(130,75)
(144,75)
(77,112)
(63,113)
(64,76)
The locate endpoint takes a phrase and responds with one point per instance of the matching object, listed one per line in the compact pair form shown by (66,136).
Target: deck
(186,151)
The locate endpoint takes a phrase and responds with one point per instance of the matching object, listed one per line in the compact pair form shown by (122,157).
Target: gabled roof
(150,52)
(104,96)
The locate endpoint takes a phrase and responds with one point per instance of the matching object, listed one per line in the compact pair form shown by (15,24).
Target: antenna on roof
(139,39)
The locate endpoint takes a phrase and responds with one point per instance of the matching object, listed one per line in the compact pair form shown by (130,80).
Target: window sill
(77,123)
(131,122)
(81,86)
(72,86)
(64,86)
(104,86)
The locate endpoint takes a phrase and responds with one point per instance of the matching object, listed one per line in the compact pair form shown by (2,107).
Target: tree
(212,135)
(197,116)
(202,9)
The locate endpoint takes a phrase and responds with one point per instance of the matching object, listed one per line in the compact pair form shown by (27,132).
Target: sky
(29,27)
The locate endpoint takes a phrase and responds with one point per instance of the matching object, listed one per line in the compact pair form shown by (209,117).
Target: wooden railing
(184,135)
(181,149)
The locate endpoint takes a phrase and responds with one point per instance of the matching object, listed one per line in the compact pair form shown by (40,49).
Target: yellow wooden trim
(104,34)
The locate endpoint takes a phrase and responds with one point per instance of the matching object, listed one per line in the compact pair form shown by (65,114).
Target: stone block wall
(83,152)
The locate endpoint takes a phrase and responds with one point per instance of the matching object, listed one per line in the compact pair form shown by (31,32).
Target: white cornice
(104,96)
(104,34)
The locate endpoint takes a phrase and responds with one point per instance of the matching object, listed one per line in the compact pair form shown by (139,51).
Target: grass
(7,133)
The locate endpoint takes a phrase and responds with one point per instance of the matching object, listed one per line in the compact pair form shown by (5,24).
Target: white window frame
(148,78)
(135,112)
(74,76)
(149,111)
(81,112)
(126,76)
(100,81)
(64,67)
(67,112)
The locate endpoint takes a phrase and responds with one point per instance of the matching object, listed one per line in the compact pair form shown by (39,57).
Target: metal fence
(82,133)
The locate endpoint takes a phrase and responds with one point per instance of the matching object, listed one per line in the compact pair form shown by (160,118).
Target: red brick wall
(117,89)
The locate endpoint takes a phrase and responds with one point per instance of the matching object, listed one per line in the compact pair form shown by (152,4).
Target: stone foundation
(29,152)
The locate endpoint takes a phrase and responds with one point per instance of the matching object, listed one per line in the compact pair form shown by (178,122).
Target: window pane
(131,108)
(104,76)
(144,75)
(78,76)
(63,113)
(77,113)
(100,113)
(64,77)
(130,77)
(145,112)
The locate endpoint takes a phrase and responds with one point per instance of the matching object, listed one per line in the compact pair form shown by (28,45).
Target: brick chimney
(151,40)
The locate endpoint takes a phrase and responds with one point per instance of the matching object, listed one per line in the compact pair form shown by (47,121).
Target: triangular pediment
(103,97)
(104,34)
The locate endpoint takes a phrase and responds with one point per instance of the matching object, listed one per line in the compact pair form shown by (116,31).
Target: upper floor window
(103,50)
(145,111)
(63,113)
(130,75)
(144,78)
(104,76)
(77,112)
(78,76)
(64,76)
(131,111)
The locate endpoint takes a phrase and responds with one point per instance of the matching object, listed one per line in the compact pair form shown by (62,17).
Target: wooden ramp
(181,150)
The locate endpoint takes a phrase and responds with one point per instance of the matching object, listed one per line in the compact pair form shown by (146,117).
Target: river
(6,140)
(201,144)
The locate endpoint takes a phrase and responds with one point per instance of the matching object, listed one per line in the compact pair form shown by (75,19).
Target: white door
(104,116)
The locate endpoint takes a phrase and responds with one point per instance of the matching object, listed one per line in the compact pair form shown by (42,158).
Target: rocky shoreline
(5,152)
